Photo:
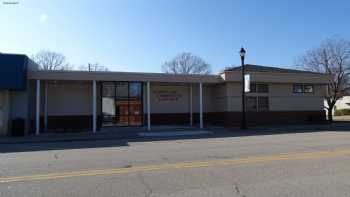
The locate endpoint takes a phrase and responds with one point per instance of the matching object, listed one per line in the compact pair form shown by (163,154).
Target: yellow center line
(183,165)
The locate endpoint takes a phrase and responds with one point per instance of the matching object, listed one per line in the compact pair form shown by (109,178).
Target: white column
(191,108)
(45,107)
(37,113)
(94,116)
(201,105)
(148,105)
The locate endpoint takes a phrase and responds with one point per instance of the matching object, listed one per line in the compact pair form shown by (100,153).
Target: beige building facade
(76,100)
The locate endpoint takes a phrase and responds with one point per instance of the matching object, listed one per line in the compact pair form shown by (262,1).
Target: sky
(140,35)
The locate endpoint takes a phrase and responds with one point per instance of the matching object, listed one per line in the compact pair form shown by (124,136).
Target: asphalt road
(302,164)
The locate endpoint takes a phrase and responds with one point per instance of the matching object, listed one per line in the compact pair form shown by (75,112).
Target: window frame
(122,98)
(257,108)
(303,88)
(255,105)
(256,88)
(312,88)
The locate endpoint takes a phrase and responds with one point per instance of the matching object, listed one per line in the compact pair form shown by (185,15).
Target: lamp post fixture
(243,123)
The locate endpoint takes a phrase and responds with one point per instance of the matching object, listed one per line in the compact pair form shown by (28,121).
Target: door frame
(115,99)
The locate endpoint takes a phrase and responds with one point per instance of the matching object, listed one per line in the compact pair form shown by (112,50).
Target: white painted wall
(176,102)
(281,98)
(69,99)
(182,104)
(19,104)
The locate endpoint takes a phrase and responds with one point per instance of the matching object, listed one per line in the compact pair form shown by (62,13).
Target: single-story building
(343,103)
(50,101)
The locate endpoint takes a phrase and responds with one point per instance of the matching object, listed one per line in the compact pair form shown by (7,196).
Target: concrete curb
(68,138)
(215,132)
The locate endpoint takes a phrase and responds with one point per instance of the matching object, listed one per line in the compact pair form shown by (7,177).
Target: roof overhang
(122,76)
(230,76)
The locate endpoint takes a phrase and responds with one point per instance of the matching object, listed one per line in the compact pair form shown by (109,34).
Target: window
(251,103)
(108,94)
(253,87)
(259,88)
(122,90)
(108,90)
(262,88)
(308,89)
(135,89)
(303,88)
(298,88)
(257,103)
(108,106)
(263,103)
(122,104)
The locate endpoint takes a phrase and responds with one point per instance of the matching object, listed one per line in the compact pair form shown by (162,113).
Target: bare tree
(332,58)
(49,60)
(186,63)
(93,67)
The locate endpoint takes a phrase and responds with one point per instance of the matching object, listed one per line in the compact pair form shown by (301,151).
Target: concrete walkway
(108,134)
(173,133)
(164,133)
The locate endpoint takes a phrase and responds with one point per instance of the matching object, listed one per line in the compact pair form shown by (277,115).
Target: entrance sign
(247,83)
(167,95)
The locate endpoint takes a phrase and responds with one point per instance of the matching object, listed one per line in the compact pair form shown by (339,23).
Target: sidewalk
(175,133)
(63,137)
(105,134)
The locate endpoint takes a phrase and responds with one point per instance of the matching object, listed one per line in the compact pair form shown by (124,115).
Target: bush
(342,112)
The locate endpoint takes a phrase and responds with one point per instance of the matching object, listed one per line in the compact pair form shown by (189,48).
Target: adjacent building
(343,103)
(51,101)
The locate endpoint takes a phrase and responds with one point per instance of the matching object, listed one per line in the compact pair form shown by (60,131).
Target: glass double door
(122,104)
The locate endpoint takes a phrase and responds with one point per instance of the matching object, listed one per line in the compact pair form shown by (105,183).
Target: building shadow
(60,145)
(109,139)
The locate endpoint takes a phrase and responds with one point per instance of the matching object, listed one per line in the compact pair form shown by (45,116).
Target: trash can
(18,127)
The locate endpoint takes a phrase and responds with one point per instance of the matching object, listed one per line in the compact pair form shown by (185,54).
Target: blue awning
(13,71)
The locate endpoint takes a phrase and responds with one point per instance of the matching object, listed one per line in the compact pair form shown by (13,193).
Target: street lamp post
(243,123)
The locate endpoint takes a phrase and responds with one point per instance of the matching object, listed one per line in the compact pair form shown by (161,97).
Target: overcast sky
(139,35)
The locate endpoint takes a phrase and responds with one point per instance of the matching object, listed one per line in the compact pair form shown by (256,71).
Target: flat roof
(230,76)
(122,76)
